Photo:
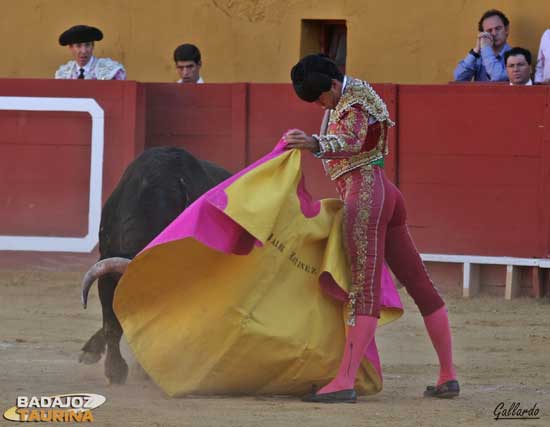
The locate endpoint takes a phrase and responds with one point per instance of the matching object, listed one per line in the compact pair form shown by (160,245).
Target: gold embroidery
(348,133)
(360,92)
(355,230)
(356,93)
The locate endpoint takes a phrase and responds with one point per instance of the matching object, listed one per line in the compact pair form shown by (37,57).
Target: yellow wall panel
(259,40)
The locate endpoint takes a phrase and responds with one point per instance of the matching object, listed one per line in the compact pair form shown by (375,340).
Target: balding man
(485,62)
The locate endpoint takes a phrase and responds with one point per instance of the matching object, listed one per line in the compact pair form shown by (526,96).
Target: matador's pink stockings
(360,336)
(357,341)
(439,330)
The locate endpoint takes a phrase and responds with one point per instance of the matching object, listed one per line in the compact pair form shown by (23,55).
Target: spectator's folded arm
(465,70)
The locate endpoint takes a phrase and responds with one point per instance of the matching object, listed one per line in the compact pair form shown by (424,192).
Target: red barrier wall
(234,125)
(474,167)
(472,161)
(45,156)
(208,120)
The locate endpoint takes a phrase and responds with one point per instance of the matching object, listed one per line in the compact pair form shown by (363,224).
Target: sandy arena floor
(502,352)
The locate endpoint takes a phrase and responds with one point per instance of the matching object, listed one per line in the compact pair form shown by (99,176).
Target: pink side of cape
(205,221)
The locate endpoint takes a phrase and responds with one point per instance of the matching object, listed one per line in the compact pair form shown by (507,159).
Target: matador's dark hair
(313,75)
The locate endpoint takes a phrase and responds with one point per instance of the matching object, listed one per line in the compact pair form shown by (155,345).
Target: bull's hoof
(89,358)
(137,372)
(116,370)
(93,349)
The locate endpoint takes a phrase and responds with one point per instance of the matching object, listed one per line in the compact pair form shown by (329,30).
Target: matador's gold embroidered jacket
(350,141)
(97,69)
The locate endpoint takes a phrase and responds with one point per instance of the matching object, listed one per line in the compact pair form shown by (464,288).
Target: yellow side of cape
(205,322)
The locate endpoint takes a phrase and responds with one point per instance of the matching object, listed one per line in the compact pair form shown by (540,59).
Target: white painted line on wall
(65,244)
(495,260)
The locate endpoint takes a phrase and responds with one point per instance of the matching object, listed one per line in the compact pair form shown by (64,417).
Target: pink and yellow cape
(242,293)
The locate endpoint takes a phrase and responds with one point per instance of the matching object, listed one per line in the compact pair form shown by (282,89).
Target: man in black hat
(374,226)
(80,40)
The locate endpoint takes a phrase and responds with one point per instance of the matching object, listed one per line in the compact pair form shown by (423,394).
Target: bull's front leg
(116,369)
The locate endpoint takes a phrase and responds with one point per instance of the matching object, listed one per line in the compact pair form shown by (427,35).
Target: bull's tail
(105,266)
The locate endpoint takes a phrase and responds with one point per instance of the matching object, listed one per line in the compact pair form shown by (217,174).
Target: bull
(155,188)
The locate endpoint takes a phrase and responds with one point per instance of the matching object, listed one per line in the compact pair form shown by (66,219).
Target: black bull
(154,189)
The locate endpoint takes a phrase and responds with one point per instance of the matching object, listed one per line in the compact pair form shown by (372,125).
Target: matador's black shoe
(342,396)
(446,390)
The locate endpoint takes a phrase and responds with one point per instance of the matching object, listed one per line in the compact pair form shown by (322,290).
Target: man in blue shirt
(485,62)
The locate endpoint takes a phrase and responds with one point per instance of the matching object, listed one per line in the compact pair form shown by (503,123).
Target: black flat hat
(80,34)
(311,76)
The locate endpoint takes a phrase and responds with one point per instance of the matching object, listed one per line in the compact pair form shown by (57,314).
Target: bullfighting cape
(242,293)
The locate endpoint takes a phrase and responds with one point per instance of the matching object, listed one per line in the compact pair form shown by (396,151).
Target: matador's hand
(296,138)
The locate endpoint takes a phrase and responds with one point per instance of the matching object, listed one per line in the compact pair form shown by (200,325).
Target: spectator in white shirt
(542,69)
(187,58)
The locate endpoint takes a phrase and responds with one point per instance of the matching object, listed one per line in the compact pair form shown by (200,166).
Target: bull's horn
(107,265)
